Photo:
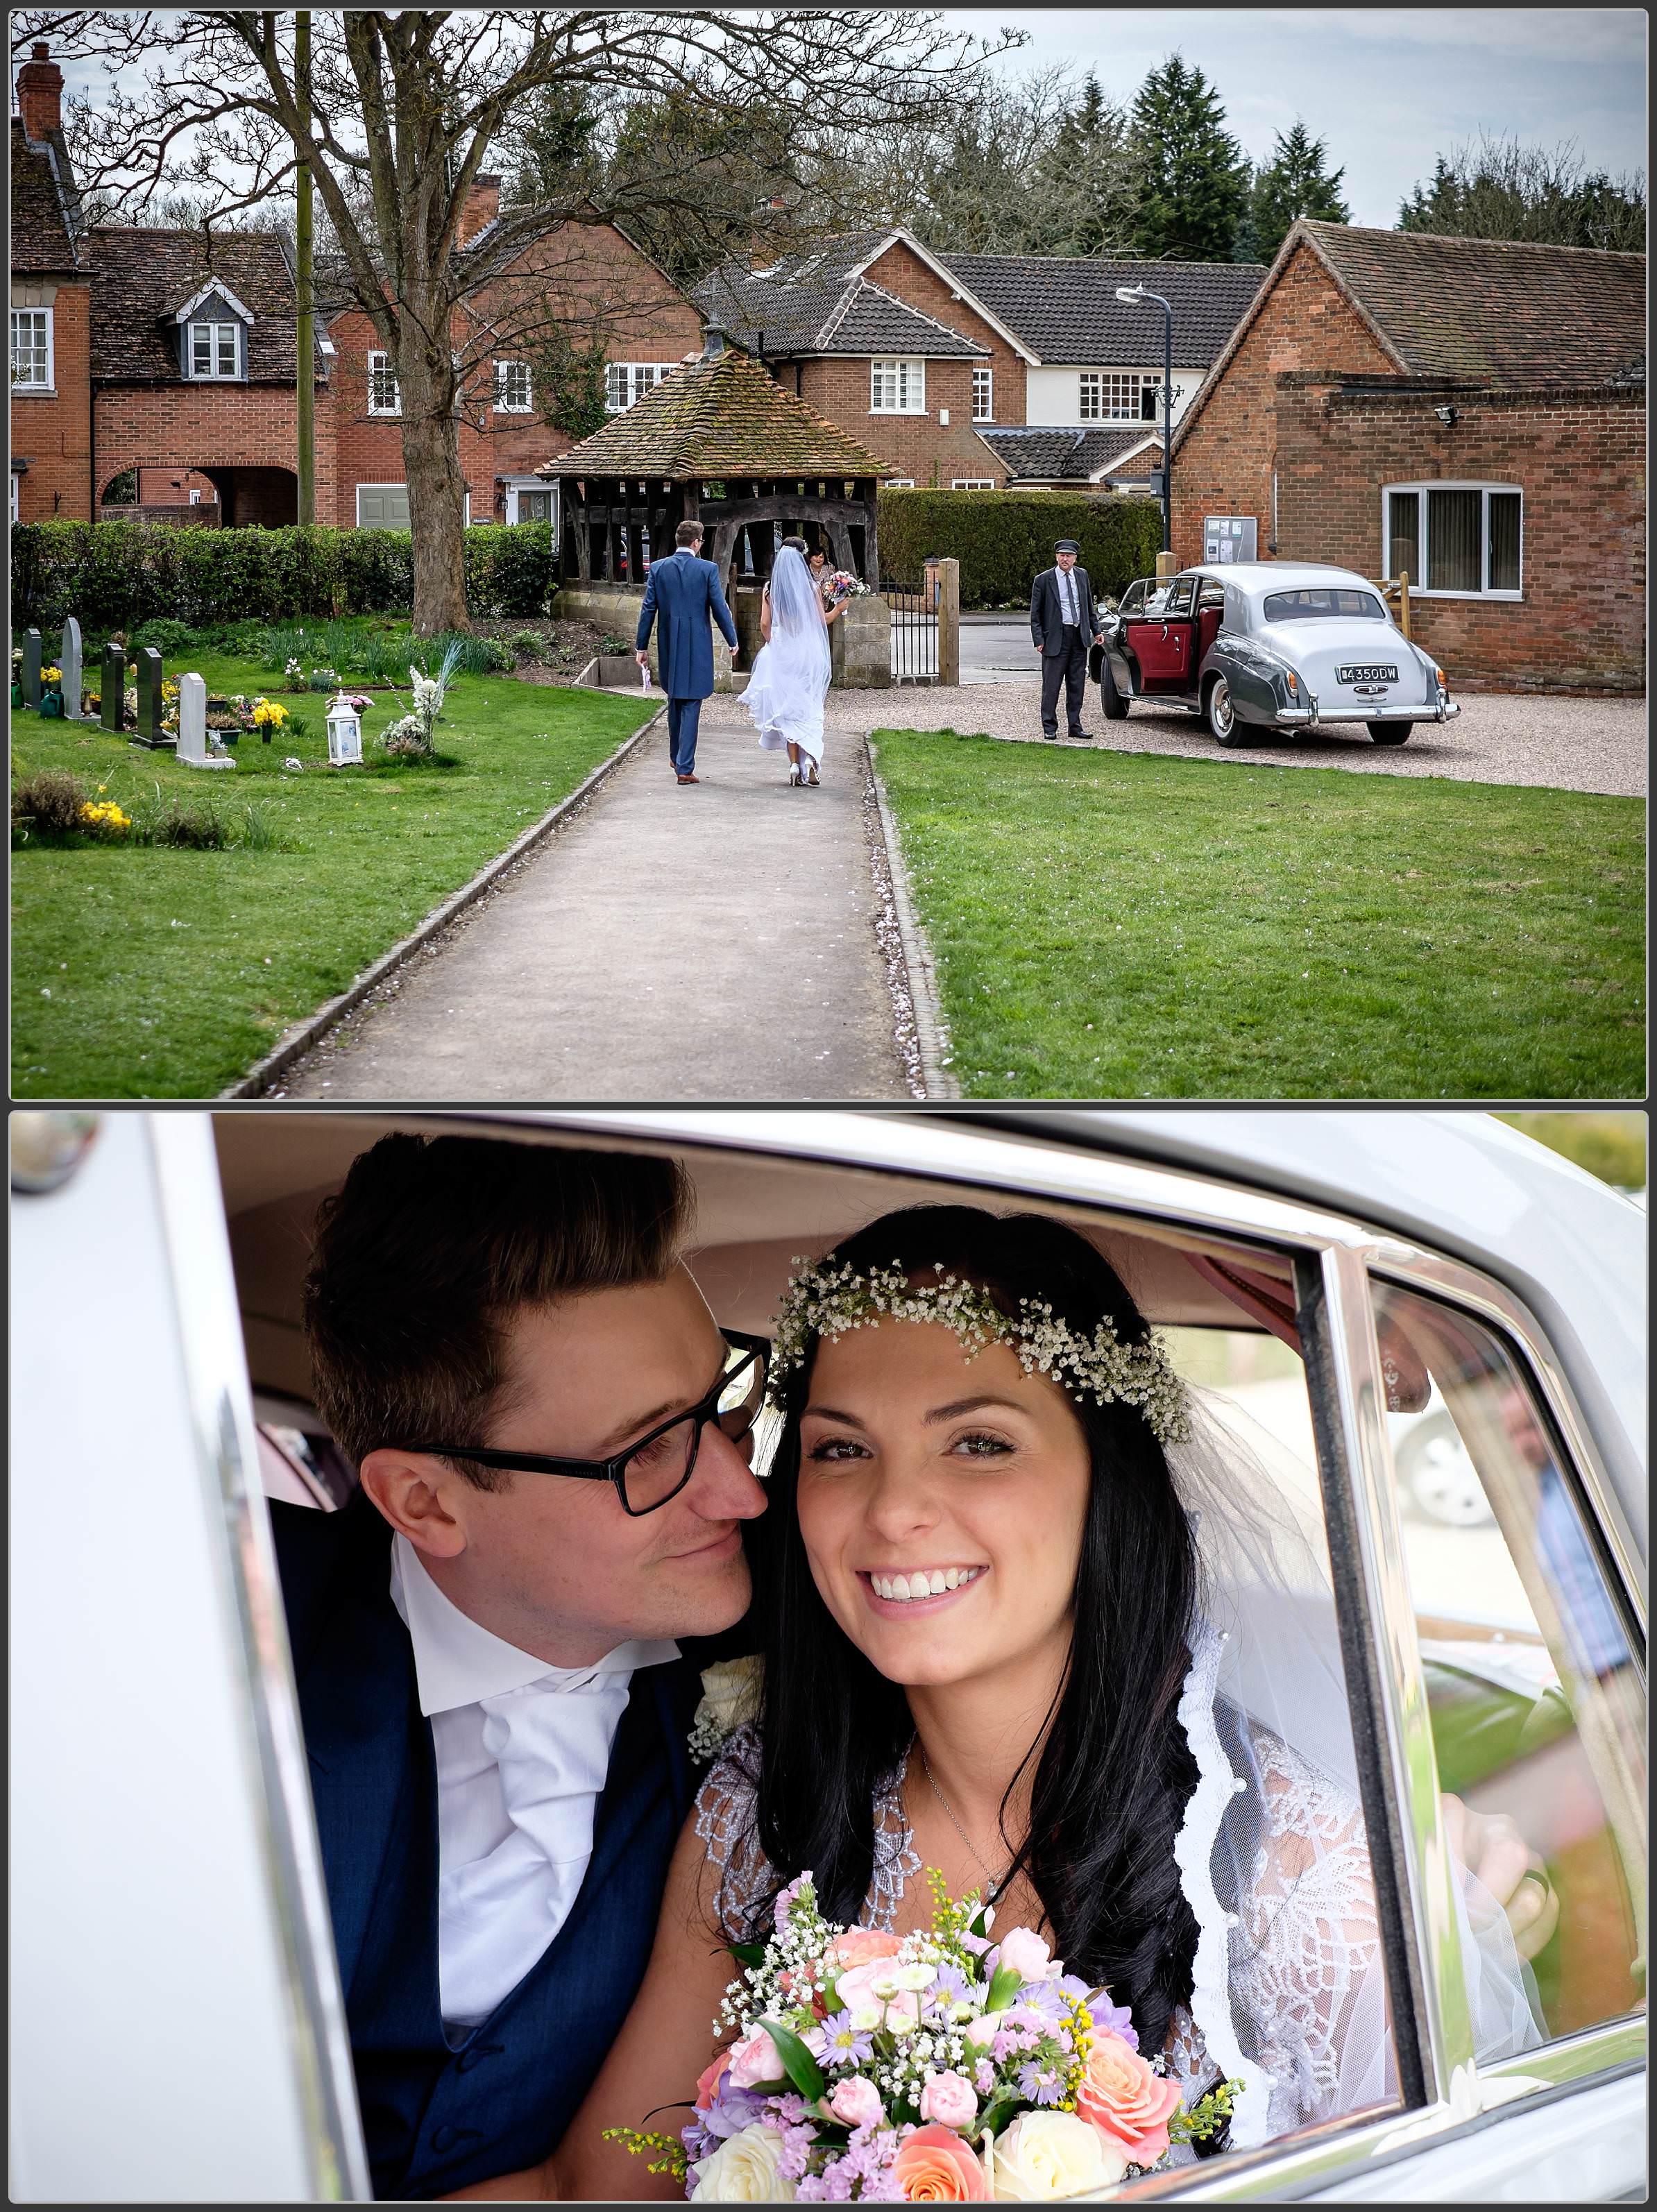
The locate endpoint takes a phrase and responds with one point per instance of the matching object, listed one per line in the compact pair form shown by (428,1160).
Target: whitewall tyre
(1222,715)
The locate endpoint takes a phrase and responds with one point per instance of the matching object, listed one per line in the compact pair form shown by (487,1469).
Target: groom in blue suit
(485,1639)
(681,593)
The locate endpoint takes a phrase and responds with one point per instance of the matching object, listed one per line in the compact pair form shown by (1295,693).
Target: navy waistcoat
(438,2116)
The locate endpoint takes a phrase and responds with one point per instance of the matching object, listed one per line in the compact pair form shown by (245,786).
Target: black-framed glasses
(656,1468)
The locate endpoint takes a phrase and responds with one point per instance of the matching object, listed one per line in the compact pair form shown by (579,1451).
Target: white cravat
(1067,596)
(523,1750)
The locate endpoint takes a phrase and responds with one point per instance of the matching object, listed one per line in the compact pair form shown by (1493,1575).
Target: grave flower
(268,714)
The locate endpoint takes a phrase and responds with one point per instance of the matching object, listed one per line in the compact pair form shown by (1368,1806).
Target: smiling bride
(1031,1618)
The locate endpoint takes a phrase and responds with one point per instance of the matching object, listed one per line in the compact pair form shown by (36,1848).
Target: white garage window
(1455,540)
(897,387)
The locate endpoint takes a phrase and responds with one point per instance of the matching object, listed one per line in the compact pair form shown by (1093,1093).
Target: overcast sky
(1386,89)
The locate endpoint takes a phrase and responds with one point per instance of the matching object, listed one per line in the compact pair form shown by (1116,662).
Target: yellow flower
(107,819)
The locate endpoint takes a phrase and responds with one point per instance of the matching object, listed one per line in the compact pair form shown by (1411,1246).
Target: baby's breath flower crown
(824,1300)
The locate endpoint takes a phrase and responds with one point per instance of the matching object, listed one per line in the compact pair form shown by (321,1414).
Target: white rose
(743,2169)
(731,1697)
(1047,2154)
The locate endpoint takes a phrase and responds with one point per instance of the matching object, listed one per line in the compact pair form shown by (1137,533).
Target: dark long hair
(1114,1771)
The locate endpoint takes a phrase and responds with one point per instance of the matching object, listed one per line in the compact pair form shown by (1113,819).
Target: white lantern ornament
(344,734)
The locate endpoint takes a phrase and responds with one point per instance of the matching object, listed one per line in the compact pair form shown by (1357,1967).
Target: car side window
(1534,1673)
(1211,594)
(1180,596)
(1133,599)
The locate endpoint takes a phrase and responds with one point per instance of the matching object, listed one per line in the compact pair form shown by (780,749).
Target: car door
(1162,643)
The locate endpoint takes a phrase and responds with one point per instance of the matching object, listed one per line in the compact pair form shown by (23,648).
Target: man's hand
(643,659)
(1490,1846)
(1098,637)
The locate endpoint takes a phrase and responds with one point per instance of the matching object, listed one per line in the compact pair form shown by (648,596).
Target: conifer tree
(1192,178)
(1295,182)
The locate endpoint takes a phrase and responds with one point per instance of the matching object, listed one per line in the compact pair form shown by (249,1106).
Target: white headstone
(192,726)
(70,661)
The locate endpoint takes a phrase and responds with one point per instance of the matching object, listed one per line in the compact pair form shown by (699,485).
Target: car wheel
(1110,698)
(1437,1475)
(1222,715)
(1389,733)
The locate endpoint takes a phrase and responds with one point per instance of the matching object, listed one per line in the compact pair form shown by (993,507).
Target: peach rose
(707,2082)
(860,1946)
(1129,2104)
(935,2166)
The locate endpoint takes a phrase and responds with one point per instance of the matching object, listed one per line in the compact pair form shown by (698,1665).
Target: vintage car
(180,2033)
(1268,645)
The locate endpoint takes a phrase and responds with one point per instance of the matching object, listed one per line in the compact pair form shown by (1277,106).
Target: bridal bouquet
(845,586)
(938,2067)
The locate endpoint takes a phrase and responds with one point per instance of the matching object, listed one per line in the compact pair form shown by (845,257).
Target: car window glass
(1212,594)
(1179,595)
(1314,600)
(1533,1682)
(1132,599)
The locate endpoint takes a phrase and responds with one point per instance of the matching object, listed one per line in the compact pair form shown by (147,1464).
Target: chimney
(481,208)
(763,251)
(713,343)
(40,95)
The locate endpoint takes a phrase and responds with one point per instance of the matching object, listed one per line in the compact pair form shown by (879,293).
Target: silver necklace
(995,1884)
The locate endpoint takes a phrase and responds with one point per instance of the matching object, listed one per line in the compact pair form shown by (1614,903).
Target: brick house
(52,436)
(962,367)
(1470,411)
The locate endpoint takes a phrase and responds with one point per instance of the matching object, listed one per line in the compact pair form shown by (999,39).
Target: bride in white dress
(1075,1652)
(786,690)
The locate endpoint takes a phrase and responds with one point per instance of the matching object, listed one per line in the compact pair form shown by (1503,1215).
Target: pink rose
(934,2166)
(755,2060)
(857,2102)
(707,2082)
(1027,1955)
(949,2099)
(859,1946)
(1130,2106)
(869,1986)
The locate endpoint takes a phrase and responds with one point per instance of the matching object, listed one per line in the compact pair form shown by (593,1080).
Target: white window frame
(32,388)
(215,325)
(986,413)
(972,483)
(400,485)
(635,378)
(1421,591)
(1109,395)
(380,366)
(898,483)
(905,376)
(512,486)
(503,405)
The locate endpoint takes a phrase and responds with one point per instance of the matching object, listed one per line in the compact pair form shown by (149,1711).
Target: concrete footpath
(710,941)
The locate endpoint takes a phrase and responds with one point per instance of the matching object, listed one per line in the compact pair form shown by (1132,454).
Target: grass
(144,973)
(1129,926)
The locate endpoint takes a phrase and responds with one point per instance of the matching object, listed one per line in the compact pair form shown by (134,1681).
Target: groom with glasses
(553,1438)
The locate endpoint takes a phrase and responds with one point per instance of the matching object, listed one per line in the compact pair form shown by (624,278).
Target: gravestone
(150,731)
(32,668)
(113,711)
(192,726)
(68,661)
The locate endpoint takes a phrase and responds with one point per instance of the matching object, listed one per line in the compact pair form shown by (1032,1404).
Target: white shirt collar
(458,1661)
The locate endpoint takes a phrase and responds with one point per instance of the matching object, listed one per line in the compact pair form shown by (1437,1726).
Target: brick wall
(53,432)
(184,430)
(1223,464)
(1579,459)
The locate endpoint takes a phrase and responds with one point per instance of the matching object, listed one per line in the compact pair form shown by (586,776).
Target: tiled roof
(1493,311)
(822,313)
(1055,456)
(145,276)
(718,418)
(45,208)
(1066,310)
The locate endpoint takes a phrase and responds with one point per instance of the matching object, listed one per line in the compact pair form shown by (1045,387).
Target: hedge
(1003,539)
(116,575)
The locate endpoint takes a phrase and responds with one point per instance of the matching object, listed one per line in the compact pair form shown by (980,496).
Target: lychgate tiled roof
(823,313)
(45,208)
(1050,456)
(1066,310)
(718,416)
(145,276)
(1493,311)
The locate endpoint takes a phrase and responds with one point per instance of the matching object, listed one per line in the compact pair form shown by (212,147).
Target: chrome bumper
(1308,718)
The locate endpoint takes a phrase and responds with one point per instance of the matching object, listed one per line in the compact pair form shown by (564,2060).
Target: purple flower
(837,2042)
(952,1985)
(1113,2020)
(1041,2085)
(785,1902)
(732,2111)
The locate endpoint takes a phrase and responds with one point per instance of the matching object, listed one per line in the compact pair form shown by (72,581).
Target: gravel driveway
(1573,744)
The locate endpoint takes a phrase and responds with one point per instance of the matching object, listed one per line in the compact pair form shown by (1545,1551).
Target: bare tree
(1502,189)
(407,108)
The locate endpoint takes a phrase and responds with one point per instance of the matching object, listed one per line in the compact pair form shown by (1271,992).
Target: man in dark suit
(681,593)
(485,1639)
(1064,621)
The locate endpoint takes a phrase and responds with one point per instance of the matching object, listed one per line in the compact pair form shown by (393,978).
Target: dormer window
(215,352)
(213,336)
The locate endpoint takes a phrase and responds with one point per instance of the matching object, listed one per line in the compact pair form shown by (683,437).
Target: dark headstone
(31,667)
(70,661)
(112,714)
(150,731)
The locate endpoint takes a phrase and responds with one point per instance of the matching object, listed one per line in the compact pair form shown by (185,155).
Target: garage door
(382,506)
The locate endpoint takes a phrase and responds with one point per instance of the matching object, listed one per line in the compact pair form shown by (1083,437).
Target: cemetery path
(712,941)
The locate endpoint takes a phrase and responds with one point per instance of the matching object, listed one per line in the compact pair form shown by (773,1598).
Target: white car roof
(1256,577)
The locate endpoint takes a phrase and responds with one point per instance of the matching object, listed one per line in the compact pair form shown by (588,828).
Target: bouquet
(845,586)
(938,2067)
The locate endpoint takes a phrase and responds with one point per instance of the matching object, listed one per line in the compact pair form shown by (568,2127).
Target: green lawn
(1125,925)
(155,973)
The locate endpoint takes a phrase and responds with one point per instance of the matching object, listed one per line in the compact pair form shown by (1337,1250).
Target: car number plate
(1368,675)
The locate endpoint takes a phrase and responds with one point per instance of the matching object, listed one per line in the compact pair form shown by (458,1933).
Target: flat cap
(1065,545)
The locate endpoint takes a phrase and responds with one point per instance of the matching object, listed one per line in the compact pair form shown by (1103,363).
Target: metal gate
(914,628)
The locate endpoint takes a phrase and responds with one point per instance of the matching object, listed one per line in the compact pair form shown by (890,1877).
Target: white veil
(785,693)
(1289,1993)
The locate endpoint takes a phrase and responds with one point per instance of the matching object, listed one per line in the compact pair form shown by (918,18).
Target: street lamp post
(1134,296)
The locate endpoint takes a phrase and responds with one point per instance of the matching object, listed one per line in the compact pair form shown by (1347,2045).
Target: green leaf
(1003,1990)
(802,2069)
(748,1955)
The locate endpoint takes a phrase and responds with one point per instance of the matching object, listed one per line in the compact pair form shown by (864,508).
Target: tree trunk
(437,508)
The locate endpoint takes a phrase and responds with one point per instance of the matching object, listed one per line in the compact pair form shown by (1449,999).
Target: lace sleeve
(726,1816)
